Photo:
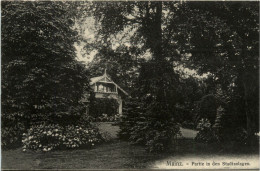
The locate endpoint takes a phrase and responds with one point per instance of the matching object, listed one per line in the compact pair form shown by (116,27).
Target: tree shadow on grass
(190,146)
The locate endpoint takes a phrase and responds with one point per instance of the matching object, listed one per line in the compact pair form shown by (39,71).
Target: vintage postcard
(112,85)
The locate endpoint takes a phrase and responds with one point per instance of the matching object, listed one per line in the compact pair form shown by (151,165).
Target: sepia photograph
(126,85)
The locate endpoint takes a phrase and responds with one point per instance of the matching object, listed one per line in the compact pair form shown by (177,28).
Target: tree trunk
(159,59)
(249,90)
(248,81)
(250,125)
(157,34)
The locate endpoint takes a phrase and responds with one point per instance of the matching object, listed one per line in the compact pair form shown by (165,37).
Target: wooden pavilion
(105,87)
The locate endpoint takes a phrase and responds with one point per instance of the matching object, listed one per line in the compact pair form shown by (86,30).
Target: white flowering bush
(51,137)
(77,136)
(43,137)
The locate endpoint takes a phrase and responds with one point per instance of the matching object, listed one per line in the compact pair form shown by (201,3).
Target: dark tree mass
(219,39)
(184,64)
(41,80)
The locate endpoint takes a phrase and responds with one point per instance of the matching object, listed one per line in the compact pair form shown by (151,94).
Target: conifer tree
(133,110)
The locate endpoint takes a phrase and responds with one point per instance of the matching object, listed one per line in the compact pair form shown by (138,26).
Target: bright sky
(88,31)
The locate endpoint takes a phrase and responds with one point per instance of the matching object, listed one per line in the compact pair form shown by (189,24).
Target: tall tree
(214,38)
(41,80)
(222,39)
(157,81)
(144,22)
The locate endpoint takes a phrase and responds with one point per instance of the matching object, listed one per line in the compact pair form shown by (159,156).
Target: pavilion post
(120,107)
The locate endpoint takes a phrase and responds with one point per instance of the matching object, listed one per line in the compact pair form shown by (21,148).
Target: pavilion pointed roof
(107,79)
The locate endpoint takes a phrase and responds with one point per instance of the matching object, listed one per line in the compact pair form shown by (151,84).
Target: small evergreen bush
(133,110)
(157,136)
(145,126)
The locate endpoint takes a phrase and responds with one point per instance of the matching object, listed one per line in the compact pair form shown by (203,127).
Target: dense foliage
(11,136)
(221,39)
(207,108)
(155,129)
(156,84)
(148,127)
(103,106)
(187,108)
(146,48)
(210,38)
(223,131)
(133,111)
(206,133)
(41,80)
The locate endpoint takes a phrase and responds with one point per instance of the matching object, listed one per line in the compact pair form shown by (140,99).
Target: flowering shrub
(43,137)
(105,118)
(206,133)
(203,124)
(50,137)
(76,136)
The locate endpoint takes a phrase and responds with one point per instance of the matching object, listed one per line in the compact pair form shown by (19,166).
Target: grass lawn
(188,133)
(115,155)
(112,130)
(108,128)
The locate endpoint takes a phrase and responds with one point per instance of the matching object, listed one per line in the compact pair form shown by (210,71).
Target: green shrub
(133,110)
(31,90)
(11,136)
(51,137)
(145,126)
(100,106)
(207,108)
(157,136)
(188,125)
(206,133)
(240,136)
(221,134)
